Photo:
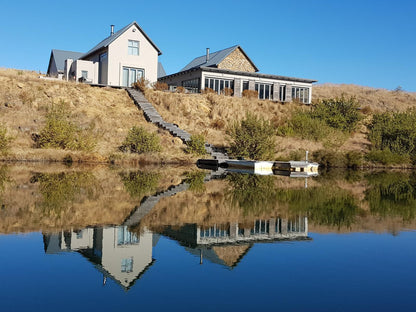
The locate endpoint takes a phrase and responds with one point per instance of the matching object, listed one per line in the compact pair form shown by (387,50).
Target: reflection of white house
(119,60)
(116,252)
(226,244)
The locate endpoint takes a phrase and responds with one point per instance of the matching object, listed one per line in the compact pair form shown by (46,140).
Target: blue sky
(370,43)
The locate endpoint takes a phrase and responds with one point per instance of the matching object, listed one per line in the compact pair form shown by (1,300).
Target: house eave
(239,73)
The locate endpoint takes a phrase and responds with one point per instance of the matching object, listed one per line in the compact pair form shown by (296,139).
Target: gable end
(237,61)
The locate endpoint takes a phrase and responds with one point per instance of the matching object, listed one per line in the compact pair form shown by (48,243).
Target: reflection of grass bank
(326,205)
(60,190)
(140,183)
(392,194)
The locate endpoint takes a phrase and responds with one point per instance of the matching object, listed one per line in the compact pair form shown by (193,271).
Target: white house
(119,60)
(232,69)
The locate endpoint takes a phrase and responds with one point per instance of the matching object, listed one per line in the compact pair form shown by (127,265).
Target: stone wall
(237,61)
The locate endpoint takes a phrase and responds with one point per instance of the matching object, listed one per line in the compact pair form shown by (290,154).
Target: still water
(107,239)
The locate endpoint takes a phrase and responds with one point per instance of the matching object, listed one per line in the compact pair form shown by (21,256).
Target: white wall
(118,57)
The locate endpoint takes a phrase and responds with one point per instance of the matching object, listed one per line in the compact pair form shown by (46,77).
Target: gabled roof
(60,56)
(215,58)
(160,70)
(107,41)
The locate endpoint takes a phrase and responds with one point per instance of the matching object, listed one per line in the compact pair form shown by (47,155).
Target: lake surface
(107,239)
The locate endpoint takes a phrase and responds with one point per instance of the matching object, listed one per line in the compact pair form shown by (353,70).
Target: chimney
(112,30)
(207,54)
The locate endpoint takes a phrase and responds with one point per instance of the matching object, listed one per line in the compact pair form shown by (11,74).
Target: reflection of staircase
(152,115)
(149,202)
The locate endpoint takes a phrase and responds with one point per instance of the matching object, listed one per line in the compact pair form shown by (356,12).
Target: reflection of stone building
(227,244)
(116,252)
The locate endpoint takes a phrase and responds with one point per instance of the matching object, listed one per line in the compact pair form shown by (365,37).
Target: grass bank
(106,114)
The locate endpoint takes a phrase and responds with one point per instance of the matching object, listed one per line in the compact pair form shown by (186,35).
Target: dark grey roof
(232,72)
(214,59)
(107,41)
(160,70)
(60,56)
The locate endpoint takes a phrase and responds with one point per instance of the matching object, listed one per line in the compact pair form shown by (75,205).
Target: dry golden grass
(25,99)
(377,100)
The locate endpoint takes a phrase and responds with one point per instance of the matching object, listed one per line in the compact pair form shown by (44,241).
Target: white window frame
(133,47)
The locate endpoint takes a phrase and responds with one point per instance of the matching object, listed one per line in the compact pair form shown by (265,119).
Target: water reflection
(124,256)
(116,252)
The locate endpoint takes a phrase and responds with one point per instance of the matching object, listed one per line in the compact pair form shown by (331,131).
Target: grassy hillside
(210,114)
(106,113)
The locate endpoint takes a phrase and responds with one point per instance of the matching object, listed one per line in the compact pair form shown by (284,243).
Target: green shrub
(61,132)
(387,157)
(395,132)
(353,159)
(304,126)
(138,140)
(328,158)
(4,140)
(196,145)
(252,137)
(339,113)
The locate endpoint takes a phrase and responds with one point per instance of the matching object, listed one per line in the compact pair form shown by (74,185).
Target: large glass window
(125,237)
(131,75)
(216,231)
(192,85)
(218,85)
(301,94)
(265,91)
(133,47)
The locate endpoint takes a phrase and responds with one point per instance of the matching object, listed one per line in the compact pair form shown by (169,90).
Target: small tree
(4,140)
(138,140)
(252,137)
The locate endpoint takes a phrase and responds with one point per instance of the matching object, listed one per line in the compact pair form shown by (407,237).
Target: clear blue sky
(371,43)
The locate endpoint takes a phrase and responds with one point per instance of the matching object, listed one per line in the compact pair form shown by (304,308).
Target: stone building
(232,71)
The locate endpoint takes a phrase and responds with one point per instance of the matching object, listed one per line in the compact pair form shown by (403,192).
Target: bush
(329,159)
(387,157)
(196,145)
(160,86)
(251,94)
(227,92)
(207,91)
(195,179)
(140,84)
(339,113)
(395,132)
(353,159)
(4,140)
(139,141)
(60,132)
(252,137)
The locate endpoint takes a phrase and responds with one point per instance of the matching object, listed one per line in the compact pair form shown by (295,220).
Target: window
(218,85)
(191,85)
(124,237)
(265,91)
(282,93)
(131,75)
(127,265)
(133,47)
(245,85)
(216,231)
(301,94)
(260,227)
(84,74)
